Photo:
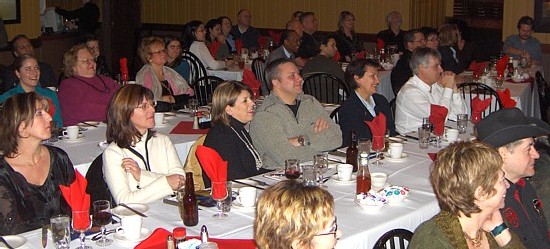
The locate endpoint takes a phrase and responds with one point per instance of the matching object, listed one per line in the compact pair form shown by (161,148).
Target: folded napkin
(275,35)
(432,156)
(337,56)
(249,78)
(501,64)
(51,107)
(77,198)
(505,98)
(479,106)
(157,239)
(186,127)
(361,55)
(380,43)
(478,67)
(378,130)
(213,48)
(230,243)
(215,168)
(438,114)
(239,45)
(123,69)
(262,41)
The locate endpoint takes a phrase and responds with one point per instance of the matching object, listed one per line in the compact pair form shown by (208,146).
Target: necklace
(105,88)
(250,148)
(475,241)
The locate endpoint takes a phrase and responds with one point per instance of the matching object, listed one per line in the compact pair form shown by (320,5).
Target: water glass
(462,123)
(423,137)
(61,231)
(310,175)
(193,107)
(363,145)
(228,201)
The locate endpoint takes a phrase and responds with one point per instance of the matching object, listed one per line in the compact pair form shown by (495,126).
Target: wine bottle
(190,204)
(352,151)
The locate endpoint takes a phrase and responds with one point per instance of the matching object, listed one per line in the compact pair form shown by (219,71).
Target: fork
(3,241)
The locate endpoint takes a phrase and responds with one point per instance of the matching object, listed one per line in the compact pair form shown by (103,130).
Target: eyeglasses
(158,52)
(423,40)
(86,61)
(144,106)
(333,230)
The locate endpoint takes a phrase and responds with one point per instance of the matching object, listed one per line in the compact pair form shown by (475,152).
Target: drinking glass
(220,202)
(292,169)
(193,107)
(61,231)
(102,216)
(320,161)
(363,145)
(378,144)
(427,124)
(499,81)
(462,123)
(423,137)
(81,223)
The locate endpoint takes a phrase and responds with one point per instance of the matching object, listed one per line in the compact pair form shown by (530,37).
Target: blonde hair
(145,51)
(459,170)
(448,35)
(70,58)
(290,212)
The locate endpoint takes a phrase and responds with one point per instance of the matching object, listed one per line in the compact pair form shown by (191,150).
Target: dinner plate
(120,210)
(14,241)
(237,205)
(144,234)
(390,159)
(337,180)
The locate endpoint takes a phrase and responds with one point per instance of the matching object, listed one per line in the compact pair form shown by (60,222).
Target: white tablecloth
(384,87)
(229,74)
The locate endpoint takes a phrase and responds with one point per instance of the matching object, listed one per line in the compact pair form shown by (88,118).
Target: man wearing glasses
(402,72)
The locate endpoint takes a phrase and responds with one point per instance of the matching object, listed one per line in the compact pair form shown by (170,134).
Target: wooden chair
(544,95)
(326,87)
(192,164)
(401,235)
(197,69)
(258,67)
(471,90)
(334,115)
(204,88)
(393,106)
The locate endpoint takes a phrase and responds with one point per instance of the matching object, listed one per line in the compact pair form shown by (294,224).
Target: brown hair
(459,170)
(144,49)
(448,35)
(18,109)
(70,58)
(226,95)
(289,211)
(120,128)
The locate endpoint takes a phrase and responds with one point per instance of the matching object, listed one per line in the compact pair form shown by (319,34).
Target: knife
(246,184)
(133,210)
(3,241)
(45,235)
(409,136)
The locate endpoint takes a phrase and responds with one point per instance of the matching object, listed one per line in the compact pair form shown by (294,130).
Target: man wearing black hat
(512,134)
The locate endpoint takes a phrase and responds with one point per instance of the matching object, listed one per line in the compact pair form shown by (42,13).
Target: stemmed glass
(378,145)
(438,139)
(102,216)
(220,202)
(320,161)
(81,223)
(292,169)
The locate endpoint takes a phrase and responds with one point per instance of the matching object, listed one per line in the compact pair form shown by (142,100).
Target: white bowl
(370,202)
(395,194)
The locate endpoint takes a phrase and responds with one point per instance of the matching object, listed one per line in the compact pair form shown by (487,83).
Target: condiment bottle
(169,242)
(352,151)
(363,174)
(271,46)
(510,67)
(190,205)
(180,235)
(204,234)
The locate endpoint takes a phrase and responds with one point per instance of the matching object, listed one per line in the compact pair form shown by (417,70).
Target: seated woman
(226,32)
(83,95)
(167,85)
(449,35)
(470,186)
(215,40)
(92,42)
(174,59)
(28,72)
(291,215)
(363,102)
(432,37)
(232,109)
(346,40)
(194,36)
(139,165)
(30,173)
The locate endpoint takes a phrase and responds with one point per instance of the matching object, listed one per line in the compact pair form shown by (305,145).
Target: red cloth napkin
(215,168)
(213,48)
(275,35)
(378,129)
(239,45)
(262,41)
(51,107)
(77,198)
(502,64)
(505,98)
(438,114)
(479,106)
(234,243)
(477,67)
(337,56)
(361,55)
(432,156)
(157,239)
(123,68)
(249,78)
(380,43)
(186,127)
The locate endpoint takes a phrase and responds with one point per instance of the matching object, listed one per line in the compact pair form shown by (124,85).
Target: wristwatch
(498,229)
(301,140)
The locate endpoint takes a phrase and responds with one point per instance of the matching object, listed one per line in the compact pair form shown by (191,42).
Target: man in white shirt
(429,85)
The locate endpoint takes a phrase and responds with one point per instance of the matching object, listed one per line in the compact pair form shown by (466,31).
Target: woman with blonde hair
(449,35)
(347,40)
(470,187)
(291,215)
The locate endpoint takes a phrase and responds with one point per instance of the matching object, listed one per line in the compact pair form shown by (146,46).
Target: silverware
(411,137)
(249,185)
(259,182)
(3,241)
(133,210)
(89,124)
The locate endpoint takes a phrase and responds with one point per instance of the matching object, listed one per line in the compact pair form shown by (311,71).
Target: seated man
(523,44)
(512,134)
(401,73)
(393,36)
(248,34)
(290,124)
(429,85)
(323,62)
(290,43)
(307,47)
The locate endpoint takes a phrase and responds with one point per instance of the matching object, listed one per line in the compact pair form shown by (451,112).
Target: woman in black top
(346,40)
(232,109)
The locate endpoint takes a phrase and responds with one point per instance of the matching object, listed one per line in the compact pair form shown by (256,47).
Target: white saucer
(89,124)
(144,234)
(14,241)
(237,205)
(337,180)
(67,139)
(161,125)
(389,158)
(375,189)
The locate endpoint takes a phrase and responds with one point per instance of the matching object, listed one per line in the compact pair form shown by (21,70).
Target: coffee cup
(378,179)
(131,227)
(159,118)
(344,171)
(71,132)
(395,150)
(451,134)
(247,196)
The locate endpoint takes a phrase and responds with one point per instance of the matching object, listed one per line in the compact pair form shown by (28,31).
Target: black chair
(204,87)
(401,235)
(197,69)
(258,67)
(471,90)
(544,95)
(98,188)
(326,87)
(393,106)
(334,115)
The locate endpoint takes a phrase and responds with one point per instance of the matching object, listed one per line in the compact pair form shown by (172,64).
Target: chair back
(393,106)
(204,88)
(192,163)
(197,69)
(326,88)
(390,238)
(99,190)
(334,114)
(471,90)
(544,95)
(258,67)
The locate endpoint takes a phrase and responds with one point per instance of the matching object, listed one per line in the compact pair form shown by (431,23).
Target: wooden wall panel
(513,11)
(30,21)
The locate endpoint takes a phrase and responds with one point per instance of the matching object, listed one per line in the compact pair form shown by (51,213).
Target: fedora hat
(508,125)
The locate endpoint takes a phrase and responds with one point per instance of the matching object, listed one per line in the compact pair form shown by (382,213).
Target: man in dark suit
(244,31)
(307,47)
(402,72)
(290,42)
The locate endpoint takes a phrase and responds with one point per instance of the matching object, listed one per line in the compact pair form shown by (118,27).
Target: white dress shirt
(414,101)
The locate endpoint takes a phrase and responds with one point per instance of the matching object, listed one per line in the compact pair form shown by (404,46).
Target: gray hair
(421,56)
(410,35)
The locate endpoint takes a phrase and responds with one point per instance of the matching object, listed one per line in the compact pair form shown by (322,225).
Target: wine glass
(438,137)
(378,144)
(292,169)
(320,161)
(102,216)
(81,223)
(220,202)
(427,124)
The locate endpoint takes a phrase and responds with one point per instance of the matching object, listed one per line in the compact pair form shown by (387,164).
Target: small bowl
(370,202)
(395,194)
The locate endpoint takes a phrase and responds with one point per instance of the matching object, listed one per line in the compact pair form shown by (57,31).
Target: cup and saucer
(337,179)
(344,175)
(118,236)
(67,139)
(395,153)
(238,205)
(402,158)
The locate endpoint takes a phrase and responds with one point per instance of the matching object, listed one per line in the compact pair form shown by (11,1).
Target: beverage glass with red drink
(378,145)
(292,169)
(102,217)
(81,223)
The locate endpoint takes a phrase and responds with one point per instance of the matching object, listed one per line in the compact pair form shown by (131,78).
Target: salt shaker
(204,234)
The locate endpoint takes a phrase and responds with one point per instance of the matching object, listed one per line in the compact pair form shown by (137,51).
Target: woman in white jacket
(193,41)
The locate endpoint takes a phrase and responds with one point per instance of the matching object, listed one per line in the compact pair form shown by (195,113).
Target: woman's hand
(169,99)
(131,166)
(176,181)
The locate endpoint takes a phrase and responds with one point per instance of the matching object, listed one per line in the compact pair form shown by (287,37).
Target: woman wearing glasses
(168,86)
(291,215)
(194,36)
(139,165)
